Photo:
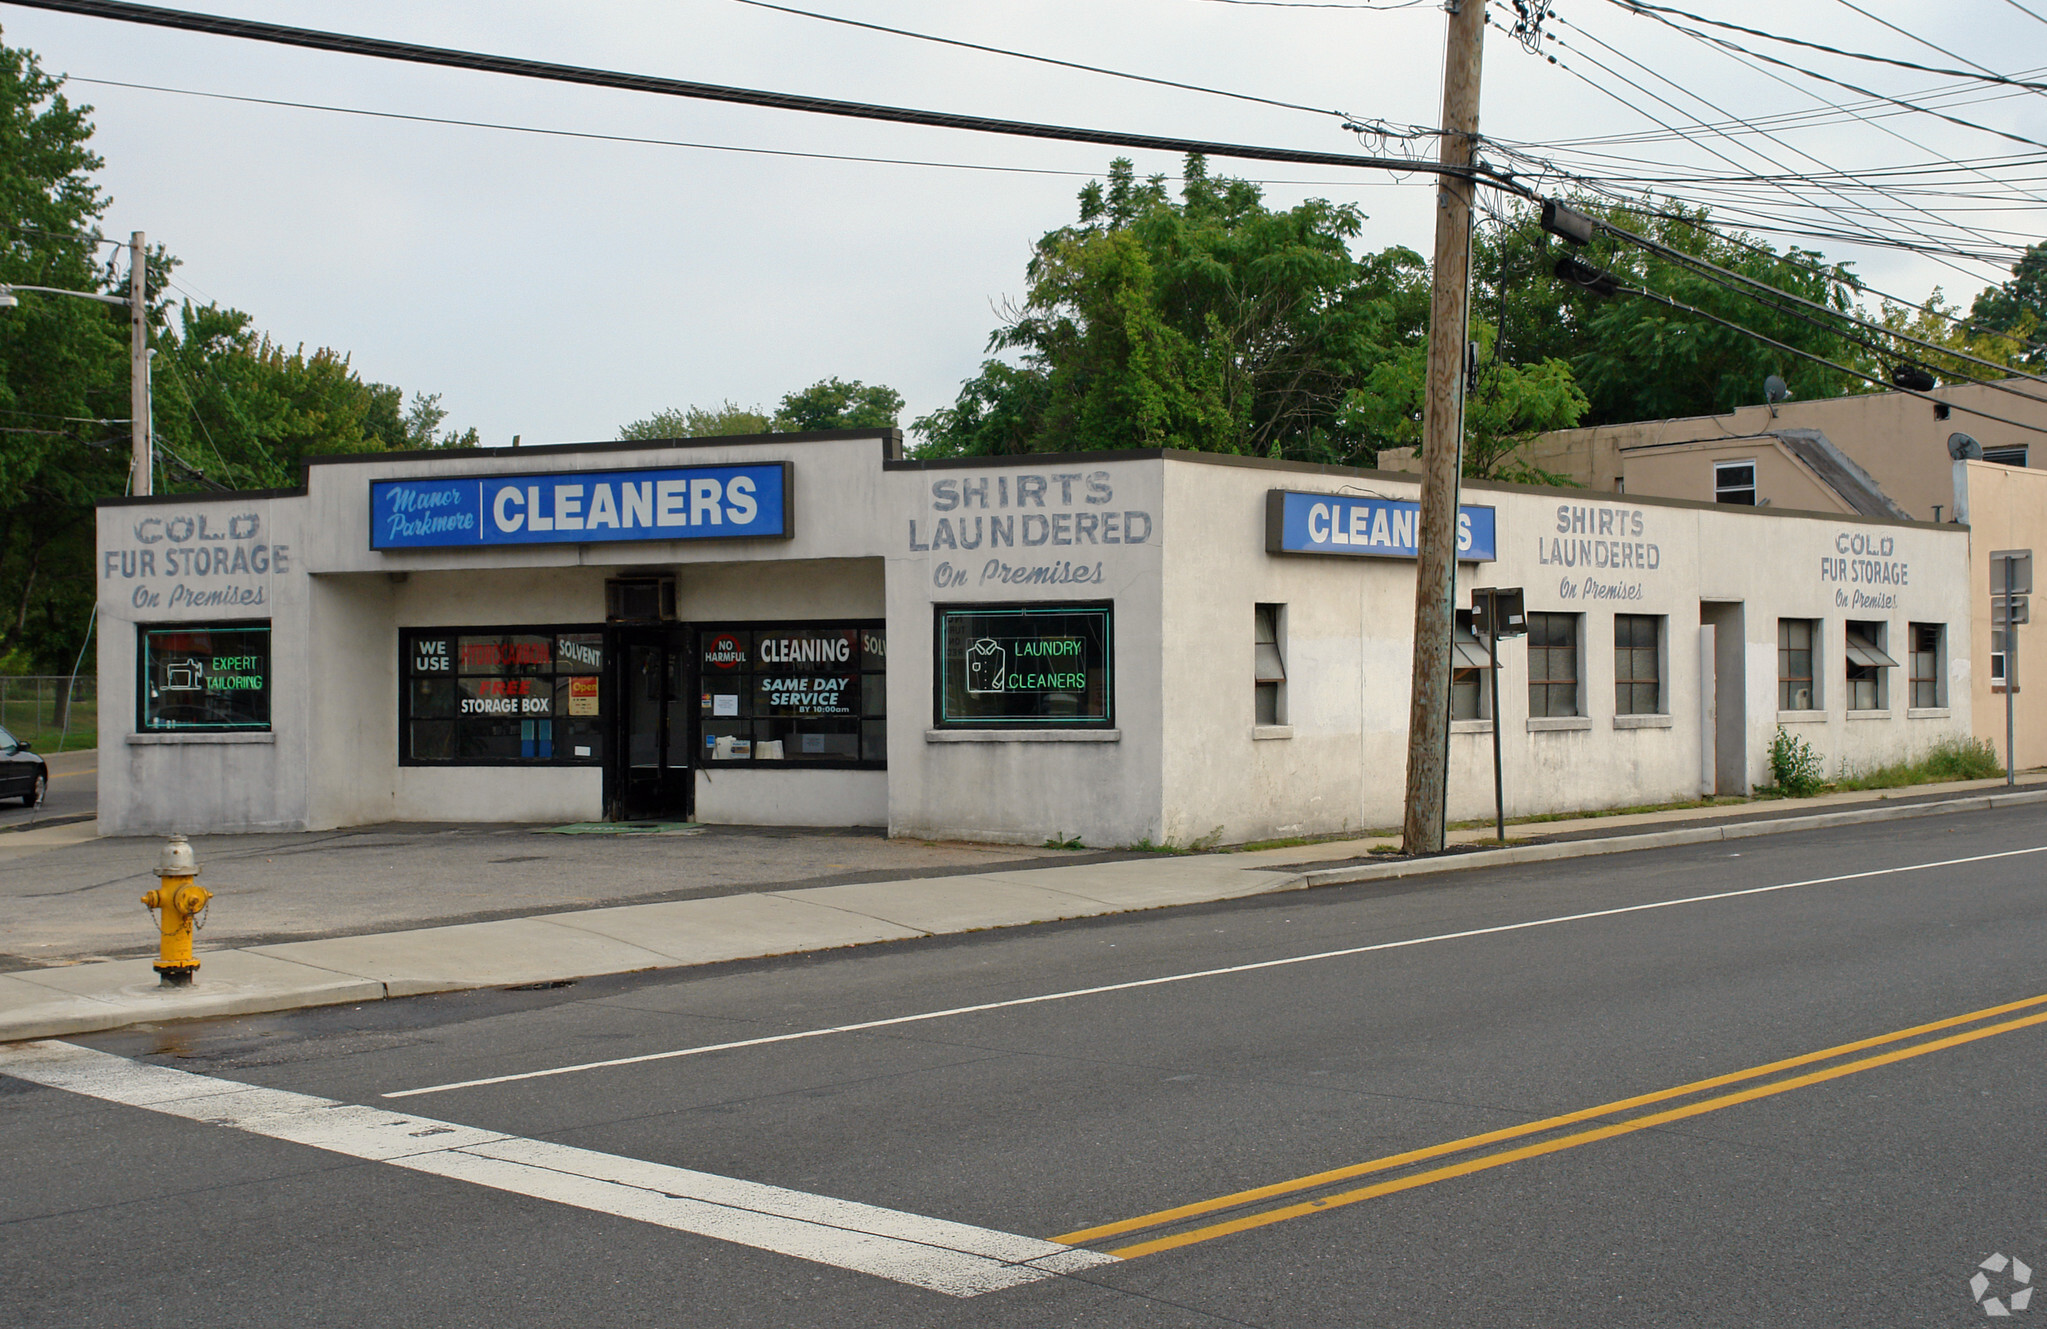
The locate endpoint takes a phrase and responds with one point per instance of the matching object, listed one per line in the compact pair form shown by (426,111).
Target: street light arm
(120,300)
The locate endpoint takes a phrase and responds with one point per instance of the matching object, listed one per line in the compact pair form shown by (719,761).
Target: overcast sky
(557,287)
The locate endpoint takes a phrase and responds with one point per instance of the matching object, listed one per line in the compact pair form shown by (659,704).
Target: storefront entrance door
(651,776)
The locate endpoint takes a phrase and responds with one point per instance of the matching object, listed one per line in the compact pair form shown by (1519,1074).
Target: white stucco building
(812,630)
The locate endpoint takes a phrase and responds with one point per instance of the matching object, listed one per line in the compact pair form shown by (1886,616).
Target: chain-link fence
(55,714)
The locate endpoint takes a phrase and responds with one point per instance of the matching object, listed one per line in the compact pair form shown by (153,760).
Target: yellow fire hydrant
(177,902)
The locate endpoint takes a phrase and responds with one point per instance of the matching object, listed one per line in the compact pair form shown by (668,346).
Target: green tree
(232,408)
(2018,306)
(1635,359)
(1209,321)
(63,368)
(238,409)
(698,422)
(1506,406)
(831,403)
(1943,325)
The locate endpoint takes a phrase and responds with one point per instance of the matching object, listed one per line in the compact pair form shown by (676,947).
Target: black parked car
(23,774)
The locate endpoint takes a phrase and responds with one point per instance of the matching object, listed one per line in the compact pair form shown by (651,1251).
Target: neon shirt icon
(987,667)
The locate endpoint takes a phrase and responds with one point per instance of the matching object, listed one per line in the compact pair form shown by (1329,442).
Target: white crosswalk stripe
(958,1259)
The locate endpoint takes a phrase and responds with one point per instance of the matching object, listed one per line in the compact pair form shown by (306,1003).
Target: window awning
(1468,655)
(1863,651)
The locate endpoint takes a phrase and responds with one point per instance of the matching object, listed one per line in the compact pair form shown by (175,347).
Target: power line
(2027,12)
(1040,59)
(640,140)
(1989,76)
(1872,212)
(1866,234)
(1731,325)
(1649,12)
(377,48)
(1725,51)
(1909,35)
(1730,277)
(1327,4)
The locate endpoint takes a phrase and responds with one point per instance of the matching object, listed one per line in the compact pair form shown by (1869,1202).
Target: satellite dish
(1963,448)
(1775,390)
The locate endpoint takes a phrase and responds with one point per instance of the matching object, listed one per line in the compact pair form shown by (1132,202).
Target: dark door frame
(673,795)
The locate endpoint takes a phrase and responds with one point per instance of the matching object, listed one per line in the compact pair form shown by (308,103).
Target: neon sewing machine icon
(184,675)
(987,669)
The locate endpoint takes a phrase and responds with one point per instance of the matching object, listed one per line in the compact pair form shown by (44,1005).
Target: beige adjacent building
(1881,455)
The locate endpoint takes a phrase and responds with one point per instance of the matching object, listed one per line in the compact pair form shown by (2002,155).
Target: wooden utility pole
(142,463)
(1428,726)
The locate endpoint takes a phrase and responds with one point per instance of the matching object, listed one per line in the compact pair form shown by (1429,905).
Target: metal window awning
(1863,651)
(1468,655)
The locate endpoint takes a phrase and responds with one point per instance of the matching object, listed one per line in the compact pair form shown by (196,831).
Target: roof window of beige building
(1734,482)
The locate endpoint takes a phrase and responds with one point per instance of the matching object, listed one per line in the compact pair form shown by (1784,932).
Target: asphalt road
(73,792)
(1864,1186)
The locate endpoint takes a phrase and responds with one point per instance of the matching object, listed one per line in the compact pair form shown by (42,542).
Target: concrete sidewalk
(553,946)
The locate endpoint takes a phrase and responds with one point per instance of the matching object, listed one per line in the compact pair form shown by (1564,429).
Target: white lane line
(1071,993)
(958,1259)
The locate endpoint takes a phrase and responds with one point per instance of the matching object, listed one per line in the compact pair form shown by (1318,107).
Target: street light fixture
(143,463)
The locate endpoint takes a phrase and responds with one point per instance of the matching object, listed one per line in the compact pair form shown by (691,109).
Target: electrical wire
(1731,325)
(1909,35)
(1936,156)
(2027,12)
(1773,138)
(1328,4)
(1797,262)
(1650,12)
(1990,76)
(648,142)
(1865,233)
(1039,59)
(1784,301)
(476,61)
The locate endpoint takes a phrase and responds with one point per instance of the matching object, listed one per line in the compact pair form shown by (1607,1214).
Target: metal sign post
(2011,580)
(1497,612)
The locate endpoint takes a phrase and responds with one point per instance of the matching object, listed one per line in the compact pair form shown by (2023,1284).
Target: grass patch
(1059,840)
(1949,759)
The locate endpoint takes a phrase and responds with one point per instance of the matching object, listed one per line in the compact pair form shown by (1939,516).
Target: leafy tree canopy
(833,404)
(1635,359)
(829,403)
(698,422)
(2019,306)
(1207,321)
(232,408)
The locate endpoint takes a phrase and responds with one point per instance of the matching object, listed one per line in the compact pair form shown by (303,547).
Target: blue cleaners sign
(1364,527)
(670,503)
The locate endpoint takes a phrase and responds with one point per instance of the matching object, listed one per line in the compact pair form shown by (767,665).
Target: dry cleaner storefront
(811,630)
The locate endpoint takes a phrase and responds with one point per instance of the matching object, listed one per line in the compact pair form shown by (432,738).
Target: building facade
(1120,647)
(1882,454)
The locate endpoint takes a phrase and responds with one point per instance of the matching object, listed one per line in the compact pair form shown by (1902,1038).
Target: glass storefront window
(1042,666)
(798,694)
(203,676)
(478,697)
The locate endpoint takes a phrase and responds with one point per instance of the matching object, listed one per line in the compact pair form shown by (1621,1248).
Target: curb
(1622,844)
(137,1007)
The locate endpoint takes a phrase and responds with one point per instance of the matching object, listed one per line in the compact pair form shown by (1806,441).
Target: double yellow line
(1181,1235)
